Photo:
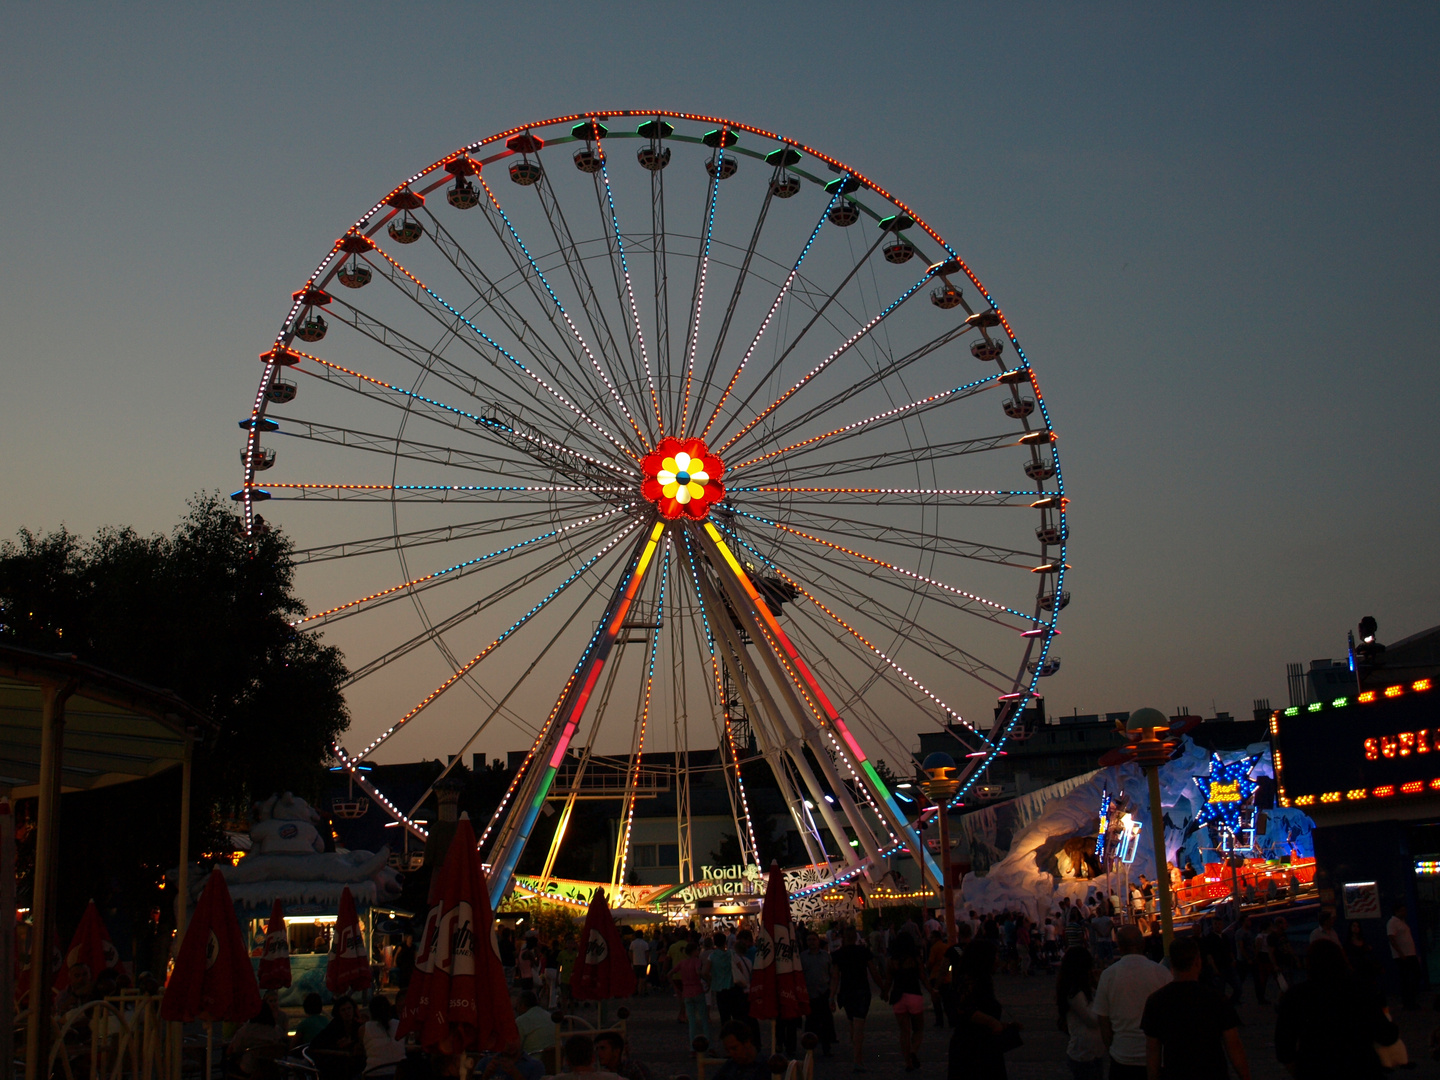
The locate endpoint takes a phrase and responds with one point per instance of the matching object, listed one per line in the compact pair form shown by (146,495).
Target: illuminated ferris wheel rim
(384,210)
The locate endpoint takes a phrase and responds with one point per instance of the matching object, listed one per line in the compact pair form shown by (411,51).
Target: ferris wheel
(628,430)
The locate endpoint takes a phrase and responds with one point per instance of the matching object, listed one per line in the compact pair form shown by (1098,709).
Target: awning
(116,729)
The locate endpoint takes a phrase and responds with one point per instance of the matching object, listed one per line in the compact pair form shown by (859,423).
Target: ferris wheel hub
(683,478)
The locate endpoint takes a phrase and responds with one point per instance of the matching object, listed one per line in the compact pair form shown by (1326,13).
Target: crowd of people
(1127,1012)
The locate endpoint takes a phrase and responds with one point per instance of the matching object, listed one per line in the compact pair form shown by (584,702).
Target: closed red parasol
(212,979)
(275,953)
(349,965)
(777,984)
(91,944)
(604,970)
(460,998)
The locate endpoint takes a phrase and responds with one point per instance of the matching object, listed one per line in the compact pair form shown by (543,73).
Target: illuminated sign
(1223,793)
(1129,838)
(1401,744)
(1378,745)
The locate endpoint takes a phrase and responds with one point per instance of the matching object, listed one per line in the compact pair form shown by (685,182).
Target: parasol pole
(209,1049)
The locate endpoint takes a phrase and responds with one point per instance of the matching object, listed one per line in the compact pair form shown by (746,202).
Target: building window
(652,855)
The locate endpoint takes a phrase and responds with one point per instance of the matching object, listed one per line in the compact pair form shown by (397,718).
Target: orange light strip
(441,573)
(466,667)
(527,436)
(888,414)
(944,708)
(906,573)
(629,286)
(574,330)
(495,344)
(1381,791)
(845,347)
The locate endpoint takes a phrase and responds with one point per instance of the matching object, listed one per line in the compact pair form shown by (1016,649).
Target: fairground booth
(1366,767)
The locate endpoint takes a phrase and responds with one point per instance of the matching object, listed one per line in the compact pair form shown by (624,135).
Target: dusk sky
(1214,229)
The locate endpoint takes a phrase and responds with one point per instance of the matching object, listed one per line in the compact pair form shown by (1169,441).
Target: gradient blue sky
(1213,227)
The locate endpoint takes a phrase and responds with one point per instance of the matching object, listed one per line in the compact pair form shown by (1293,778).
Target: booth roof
(116,729)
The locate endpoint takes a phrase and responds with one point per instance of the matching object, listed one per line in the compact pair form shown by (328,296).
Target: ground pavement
(660,1041)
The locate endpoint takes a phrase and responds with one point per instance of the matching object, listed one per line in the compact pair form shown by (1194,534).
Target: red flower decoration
(682,478)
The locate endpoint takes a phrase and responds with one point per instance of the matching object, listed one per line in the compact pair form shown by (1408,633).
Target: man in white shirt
(1326,929)
(1402,951)
(639,961)
(1120,998)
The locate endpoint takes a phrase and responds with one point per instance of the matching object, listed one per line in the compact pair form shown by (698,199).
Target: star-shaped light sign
(1226,790)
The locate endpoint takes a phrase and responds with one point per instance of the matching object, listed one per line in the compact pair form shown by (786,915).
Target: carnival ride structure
(702,406)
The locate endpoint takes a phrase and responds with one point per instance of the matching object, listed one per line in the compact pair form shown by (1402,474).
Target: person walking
(905,970)
(722,977)
(1074,992)
(1120,998)
(978,1043)
(854,969)
(1262,965)
(689,978)
(639,961)
(1329,1025)
(1282,953)
(819,972)
(1402,951)
(1189,1028)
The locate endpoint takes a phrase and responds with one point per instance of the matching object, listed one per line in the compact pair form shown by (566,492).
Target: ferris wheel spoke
(497,300)
(616,241)
(450,573)
(416,287)
(494,425)
(659,260)
(433,492)
(783,292)
(499,705)
(388,543)
(596,366)
(963,600)
(867,496)
(852,703)
(866,602)
(871,379)
(894,673)
(469,666)
(507,468)
(871,463)
(697,296)
(849,343)
(436,630)
(908,629)
(432,362)
(915,539)
(829,298)
(879,420)
(580,281)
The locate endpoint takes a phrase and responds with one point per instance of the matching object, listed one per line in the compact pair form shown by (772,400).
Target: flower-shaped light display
(682,478)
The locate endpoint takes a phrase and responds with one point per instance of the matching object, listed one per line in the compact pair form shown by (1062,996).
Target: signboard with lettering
(1346,751)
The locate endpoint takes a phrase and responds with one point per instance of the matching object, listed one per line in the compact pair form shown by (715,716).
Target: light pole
(1150,733)
(940,786)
